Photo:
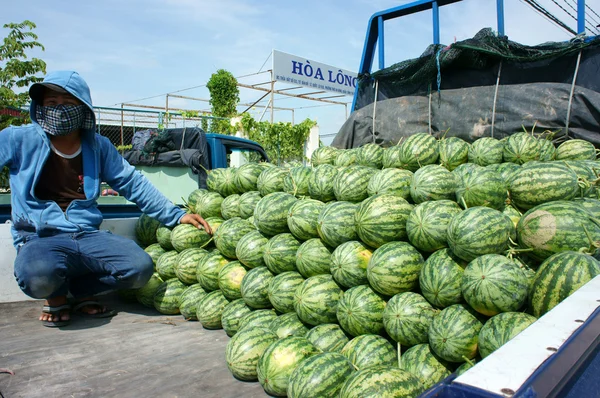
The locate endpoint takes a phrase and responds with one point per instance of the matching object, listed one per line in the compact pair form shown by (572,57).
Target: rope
(496,97)
(375,107)
(429,109)
(571,94)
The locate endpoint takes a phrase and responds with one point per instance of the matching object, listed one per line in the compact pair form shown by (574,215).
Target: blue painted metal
(436,22)
(381,42)
(580,16)
(500,16)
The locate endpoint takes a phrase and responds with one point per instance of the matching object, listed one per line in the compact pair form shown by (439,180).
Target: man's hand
(196,221)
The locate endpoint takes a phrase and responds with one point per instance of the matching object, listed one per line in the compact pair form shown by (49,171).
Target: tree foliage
(224,97)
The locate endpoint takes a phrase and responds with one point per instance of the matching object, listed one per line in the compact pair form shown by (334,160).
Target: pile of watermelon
(380,269)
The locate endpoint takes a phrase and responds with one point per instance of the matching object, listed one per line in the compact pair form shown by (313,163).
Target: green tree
(224,97)
(17,73)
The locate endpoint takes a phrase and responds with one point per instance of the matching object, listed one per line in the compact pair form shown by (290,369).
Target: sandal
(48,309)
(93,303)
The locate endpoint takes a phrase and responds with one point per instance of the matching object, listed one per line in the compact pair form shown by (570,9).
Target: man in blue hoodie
(57,164)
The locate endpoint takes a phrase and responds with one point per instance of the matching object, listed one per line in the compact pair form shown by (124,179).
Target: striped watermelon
(382,218)
(421,362)
(506,170)
(165,266)
(586,176)
(360,311)
(501,328)
(145,294)
(230,207)
(209,205)
(493,283)
(440,279)
(482,187)
(346,157)
(320,182)
(381,381)
(296,182)
(232,314)
(427,224)
(465,366)
(323,155)
(208,269)
(166,297)
(520,148)
(556,227)
(547,150)
(538,183)
(394,268)
(246,176)
(313,258)
(407,317)
(478,231)
(281,290)
(193,199)
(288,325)
(155,250)
(349,263)
(254,288)
(278,362)
(280,253)
(316,300)
(327,337)
(247,203)
(558,277)
(391,181)
(464,169)
(391,157)
(270,214)
(210,308)
(185,236)
(369,350)
(271,180)
(163,237)
(453,334)
(591,205)
(215,178)
(512,213)
(145,230)
(188,302)
(576,150)
(350,184)
(229,234)
(257,319)
(302,218)
(230,280)
(417,151)
(370,155)
(187,264)
(486,151)
(250,249)
(222,181)
(321,375)
(336,223)
(214,223)
(244,349)
(433,182)
(453,152)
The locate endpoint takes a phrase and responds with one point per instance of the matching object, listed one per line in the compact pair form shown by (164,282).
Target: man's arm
(7,147)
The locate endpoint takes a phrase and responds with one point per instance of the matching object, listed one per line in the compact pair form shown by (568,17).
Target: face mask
(63,119)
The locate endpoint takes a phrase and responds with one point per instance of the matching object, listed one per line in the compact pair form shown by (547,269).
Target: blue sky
(132,49)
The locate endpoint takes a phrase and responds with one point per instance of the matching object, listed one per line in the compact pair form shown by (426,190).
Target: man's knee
(39,279)
(140,272)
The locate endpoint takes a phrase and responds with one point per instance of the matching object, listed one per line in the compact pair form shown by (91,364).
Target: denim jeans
(83,263)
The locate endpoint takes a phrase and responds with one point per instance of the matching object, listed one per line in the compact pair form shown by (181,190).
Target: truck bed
(138,353)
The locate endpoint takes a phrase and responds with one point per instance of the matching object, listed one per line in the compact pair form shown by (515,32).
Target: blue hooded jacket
(25,149)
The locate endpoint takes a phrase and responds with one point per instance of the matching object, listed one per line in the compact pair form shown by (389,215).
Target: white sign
(291,69)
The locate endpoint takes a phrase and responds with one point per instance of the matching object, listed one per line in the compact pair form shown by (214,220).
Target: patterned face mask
(63,119)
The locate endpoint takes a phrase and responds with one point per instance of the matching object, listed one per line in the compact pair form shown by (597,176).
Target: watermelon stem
(593,244)
(462,199)
(399,355)
(467,360)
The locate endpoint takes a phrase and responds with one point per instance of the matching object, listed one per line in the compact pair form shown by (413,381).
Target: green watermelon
(316,300)
(591,205)
(280,253)
(244,349)
(391,181)
(281,290)
(520,148)
(208,269)
(440,279)
(288,325)
(323,155)
(145,230)
(421,362)
(346,157)
(585,176)
(271,180)
(250,249)
(382,218)
(232,314)
(369,350)
(210,308)
(165,266)
(145,294)
(453,152)
(230,280)
(257,319)
(320,182)
(229,234)
(465,366)
(486,151)
(370,155)
(512,213)
(360,311)
(453,334)
(407,317)
(313,258)
(155,250)
(433,182)
(501,328)
(349,263)
(247,203)
(547,150)
(188,302)
(279,360)
(336,223)
(186,236)
(427,224)
(222,181)
(327,337)
(296,182)
(193,199)
(209,205)
(350,183)
(558,277)
(187,264)
(576,150)
(417,151)
(391,157)
(506,170)
(254,288)
(214,223)
(163,237)
(230,207)
(493,283)
(215,178)
(482,187)
(478,231)
(321,375)
(379,382)
(302,218)
(394,268)
(246,176)
(270,215)
(166,297)
(463,170)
